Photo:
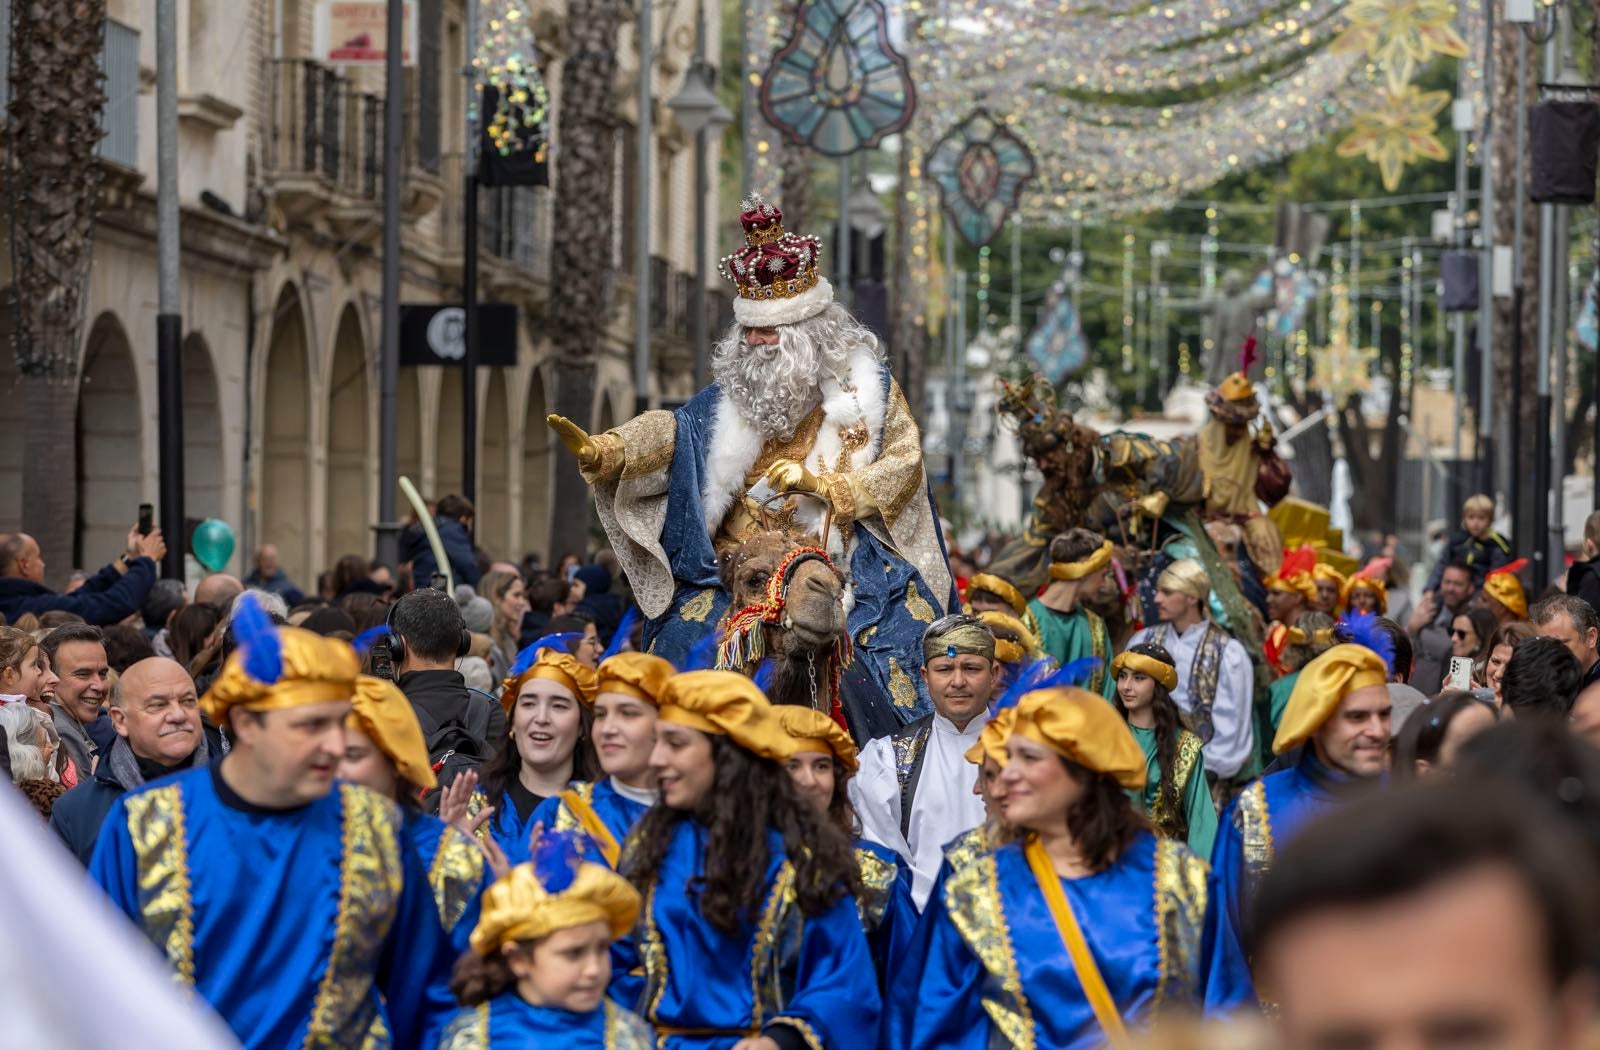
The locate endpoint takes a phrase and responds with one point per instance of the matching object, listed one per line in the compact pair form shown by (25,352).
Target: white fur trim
(770,313)
(731,450)
(842,408)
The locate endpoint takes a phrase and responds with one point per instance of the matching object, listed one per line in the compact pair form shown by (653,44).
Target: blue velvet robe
(457,874)
(994,972)
(882,689)
(317,920)
(1264,816)
(617,812)
(508,1022)
(888,911)
(707,989)
(509,830)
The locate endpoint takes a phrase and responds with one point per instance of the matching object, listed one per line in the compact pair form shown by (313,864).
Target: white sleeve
(875,794)
(1232,713)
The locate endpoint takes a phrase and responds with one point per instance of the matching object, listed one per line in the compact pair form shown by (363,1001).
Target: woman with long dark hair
(750,936)
(1471,631)
(1436,731)
(825,759)
(1090,919)
(1176,797)
(546,704)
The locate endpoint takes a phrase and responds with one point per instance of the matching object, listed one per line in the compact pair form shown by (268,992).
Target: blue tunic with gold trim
(707,989)
(302,927)
(994,972)
(508,1022)
(616,811)
(1264,816)
(457,874)
(888,911)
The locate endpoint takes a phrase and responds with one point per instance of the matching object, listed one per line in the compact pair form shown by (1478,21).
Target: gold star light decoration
(1401,131)
(1339,368)
(1401,35)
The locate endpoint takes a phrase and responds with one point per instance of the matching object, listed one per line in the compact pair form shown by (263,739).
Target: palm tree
(54,195)
(581,251)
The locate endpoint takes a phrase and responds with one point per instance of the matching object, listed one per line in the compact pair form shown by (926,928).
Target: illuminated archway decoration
(980,167)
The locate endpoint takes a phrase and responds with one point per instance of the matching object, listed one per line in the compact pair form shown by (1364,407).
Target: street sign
(352,32)
(435,334)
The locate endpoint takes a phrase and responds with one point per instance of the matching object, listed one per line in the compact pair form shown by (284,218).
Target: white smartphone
(1460,676)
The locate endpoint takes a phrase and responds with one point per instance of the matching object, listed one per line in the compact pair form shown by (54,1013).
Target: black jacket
(1583,581)
(78,815)
(106,598)
(414,547)
(441,697)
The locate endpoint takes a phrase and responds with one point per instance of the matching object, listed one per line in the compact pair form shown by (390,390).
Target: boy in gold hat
(537,971)
(1339,713)
(259,876)
(1068,629)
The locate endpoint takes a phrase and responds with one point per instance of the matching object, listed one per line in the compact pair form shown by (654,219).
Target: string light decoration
(1341,368)
(507,56)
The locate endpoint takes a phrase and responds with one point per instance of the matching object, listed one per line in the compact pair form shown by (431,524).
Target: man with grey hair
(802,404)
(156,715)
(271,604)
(1572,621)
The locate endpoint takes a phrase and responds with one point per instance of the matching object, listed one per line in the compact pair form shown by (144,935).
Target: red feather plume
(1301,559)
(1515,566)
(1376,569)
(1248,355)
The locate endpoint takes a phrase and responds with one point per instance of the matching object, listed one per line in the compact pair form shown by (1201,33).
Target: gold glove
(786,475)
(1264,437)
(600,456)
(1154,504)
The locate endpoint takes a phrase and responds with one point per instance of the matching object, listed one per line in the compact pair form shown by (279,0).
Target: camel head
(795,623)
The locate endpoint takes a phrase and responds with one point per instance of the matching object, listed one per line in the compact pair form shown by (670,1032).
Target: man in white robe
(914,791)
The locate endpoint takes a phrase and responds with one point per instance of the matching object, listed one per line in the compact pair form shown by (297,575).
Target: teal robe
(1073,636)
(313,925)
(1193,792)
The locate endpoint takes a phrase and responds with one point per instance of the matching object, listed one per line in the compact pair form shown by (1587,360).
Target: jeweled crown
(773,264)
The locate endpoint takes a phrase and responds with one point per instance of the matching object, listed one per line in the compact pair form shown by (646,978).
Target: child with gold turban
(1069,898)
(750,928)
(537,970)
(1338,715)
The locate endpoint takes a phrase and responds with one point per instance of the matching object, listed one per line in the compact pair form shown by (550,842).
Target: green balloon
(212,543)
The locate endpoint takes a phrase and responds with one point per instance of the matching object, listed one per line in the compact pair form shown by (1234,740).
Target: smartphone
(382,661)
(1460,676)
(147,519)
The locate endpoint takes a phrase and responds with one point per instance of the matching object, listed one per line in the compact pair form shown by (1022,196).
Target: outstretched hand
(785,475)
(576,439)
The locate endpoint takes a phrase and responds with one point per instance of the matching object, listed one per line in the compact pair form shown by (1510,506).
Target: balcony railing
(323,128)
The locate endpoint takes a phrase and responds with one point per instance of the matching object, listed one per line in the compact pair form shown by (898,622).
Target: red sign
(353,32)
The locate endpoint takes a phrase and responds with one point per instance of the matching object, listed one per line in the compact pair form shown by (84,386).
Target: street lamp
(697,108)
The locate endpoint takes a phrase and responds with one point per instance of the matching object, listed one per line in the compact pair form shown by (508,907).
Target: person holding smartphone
(111,595)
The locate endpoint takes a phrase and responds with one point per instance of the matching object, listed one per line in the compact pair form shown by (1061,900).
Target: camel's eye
(758,578)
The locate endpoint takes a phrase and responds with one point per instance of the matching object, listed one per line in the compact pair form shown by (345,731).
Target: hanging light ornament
(1341,368)
(507,56)
(1401,35)
(980,167)
(1401,131)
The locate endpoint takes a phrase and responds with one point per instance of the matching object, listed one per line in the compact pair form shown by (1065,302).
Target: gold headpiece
(1013,642)
(1321,688)
(552,665)
(1164,673)
(1001,587)
(726,703)
(1077,570)
(380,710)
(314,670)
(1082,727)
(991,742)
(1186,576)
(518,907)
(813,732)
(638,675)
(957,634)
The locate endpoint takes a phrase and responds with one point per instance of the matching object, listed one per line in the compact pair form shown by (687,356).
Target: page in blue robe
(708,989)
(457,874)
(508,1022)
(312,919)
(885,625)
(1256,824)
(995,972)
(511,833)
(616,811)
(888,911)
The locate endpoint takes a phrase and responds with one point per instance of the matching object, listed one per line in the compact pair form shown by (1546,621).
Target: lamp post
(698,109)
(643,177)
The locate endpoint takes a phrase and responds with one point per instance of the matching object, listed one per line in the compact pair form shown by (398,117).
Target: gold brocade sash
(1083,964)
(589,820)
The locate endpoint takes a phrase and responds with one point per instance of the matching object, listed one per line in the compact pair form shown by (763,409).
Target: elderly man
(803,402)
(157,718)
(1216,683)
(269,575)
(1572,622)
(913,792)
(1340,707)
(109,596)
(218,590)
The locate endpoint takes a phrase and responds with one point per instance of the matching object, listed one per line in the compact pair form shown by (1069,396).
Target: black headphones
(397,644)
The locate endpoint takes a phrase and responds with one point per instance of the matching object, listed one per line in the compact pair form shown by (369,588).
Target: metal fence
(323,127)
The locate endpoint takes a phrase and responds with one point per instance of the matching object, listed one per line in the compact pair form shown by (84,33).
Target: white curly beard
(774,387)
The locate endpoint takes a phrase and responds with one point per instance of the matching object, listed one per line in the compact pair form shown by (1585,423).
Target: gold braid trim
(836,488)
(611,452)
(166,904)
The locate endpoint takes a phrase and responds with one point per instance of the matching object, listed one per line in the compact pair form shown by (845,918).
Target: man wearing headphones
(427,638)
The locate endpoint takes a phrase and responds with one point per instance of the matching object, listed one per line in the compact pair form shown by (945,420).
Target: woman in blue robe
(384,750)
(540,958)
(549,745)
(750,935)
(824,761)
(996,946)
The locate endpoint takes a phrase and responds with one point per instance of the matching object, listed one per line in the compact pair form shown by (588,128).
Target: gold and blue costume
(1194,794)
(457,874)
(993,971)
(615,812)
(888,913)
(707,989)
(509,1022)
(313,926)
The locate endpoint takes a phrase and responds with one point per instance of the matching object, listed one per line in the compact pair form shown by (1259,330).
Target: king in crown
(801,402)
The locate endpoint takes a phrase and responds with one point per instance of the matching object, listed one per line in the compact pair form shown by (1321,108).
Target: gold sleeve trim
(973,903)
(649,440)
(1180,905)
(456,876)
(166,903)
(1255,831)
(468,1030)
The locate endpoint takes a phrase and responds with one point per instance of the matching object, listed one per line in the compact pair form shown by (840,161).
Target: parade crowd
(1182,801)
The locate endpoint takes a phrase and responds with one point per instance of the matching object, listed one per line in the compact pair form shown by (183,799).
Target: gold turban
(315,670)
(1077,570)
(638,675)
(1322,637)
(991,742)
(1017,644)
(1236,387)
(1323,571)
(1186,576)
(1505,588)
(726,703)
(518,907)
(1081,726)
(815,733)
(381,711)
(1367,583)
(957,634)
(1164,673)
(1321,688)
(556,666)
(1004,588)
